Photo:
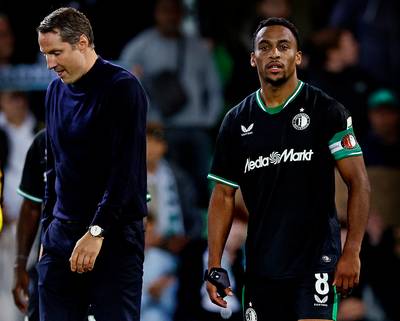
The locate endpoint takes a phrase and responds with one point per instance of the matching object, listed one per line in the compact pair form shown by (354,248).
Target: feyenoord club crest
(250,314)
(348,141)
(301,120)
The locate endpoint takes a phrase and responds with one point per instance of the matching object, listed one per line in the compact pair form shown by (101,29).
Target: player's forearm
(27,228)
(220,217)
(357,214)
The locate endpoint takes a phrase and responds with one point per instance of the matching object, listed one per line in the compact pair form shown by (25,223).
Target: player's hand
(218,285)
(20,288)
(347,274)
(85,253)
(215,297)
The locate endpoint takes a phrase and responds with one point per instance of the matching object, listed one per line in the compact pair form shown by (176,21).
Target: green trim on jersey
(222,180)
(335,304)
(148,197)
(342,148)
(29,197)
(243,296)
(277,109)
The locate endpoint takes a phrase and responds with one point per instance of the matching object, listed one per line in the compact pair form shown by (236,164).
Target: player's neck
(275,96)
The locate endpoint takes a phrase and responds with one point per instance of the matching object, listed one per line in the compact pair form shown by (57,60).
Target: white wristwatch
(96,231)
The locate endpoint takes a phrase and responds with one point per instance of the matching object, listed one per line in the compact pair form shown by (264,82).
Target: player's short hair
(70,23)
(277,22)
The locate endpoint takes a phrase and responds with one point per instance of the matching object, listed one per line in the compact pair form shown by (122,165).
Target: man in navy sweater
(92,226)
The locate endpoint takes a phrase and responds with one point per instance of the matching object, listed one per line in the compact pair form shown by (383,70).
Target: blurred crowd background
(194,54)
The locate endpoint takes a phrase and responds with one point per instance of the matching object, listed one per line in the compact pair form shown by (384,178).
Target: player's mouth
(274,67)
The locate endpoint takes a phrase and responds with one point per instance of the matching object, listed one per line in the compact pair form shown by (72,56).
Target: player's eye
(284,46)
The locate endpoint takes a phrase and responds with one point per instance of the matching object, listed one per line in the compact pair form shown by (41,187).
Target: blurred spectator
(170,187)
(376,24)
(230,55)
(164,51)
(20,126)
(381,146)
(159,277)
(232,257)
(194,304)
(7,41)
(172,223)
(334,67)
(3,157)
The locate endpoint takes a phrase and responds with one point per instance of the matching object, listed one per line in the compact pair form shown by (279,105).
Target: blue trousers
(112,290)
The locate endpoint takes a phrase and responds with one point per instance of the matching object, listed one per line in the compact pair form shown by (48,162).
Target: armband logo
(348,141)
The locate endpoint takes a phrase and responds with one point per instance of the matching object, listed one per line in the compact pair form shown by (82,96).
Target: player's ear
(298,58)
(252,60)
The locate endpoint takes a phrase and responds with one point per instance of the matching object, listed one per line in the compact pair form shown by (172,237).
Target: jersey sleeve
(32,181)
(342,140)
(223,164)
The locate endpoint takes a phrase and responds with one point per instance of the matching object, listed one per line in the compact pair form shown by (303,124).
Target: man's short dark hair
(71,24)
(277,22)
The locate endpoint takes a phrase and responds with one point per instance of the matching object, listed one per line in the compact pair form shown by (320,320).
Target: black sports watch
(96,231)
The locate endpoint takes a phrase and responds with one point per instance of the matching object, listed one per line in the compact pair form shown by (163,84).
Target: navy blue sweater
(96,129)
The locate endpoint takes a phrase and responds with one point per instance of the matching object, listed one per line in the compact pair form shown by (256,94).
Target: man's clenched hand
(85,253)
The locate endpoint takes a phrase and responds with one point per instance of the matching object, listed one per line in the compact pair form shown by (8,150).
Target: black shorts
(310,297)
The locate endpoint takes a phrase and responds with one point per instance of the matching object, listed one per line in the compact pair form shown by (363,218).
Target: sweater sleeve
(127,179)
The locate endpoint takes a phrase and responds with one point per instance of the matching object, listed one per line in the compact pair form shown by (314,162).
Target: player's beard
(278,81)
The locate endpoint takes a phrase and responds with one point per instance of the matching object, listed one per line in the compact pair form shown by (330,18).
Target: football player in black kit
(280,146)
(31,188)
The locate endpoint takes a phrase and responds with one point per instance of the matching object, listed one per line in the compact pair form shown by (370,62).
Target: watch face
(95,230)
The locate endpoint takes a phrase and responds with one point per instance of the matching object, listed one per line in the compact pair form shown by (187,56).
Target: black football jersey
(32,185)
(283,160)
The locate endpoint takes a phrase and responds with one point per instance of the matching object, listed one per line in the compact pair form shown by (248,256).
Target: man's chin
(276,82)
(66,80)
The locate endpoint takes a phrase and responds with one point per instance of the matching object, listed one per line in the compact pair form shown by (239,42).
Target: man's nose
(51,62)
(275,52)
